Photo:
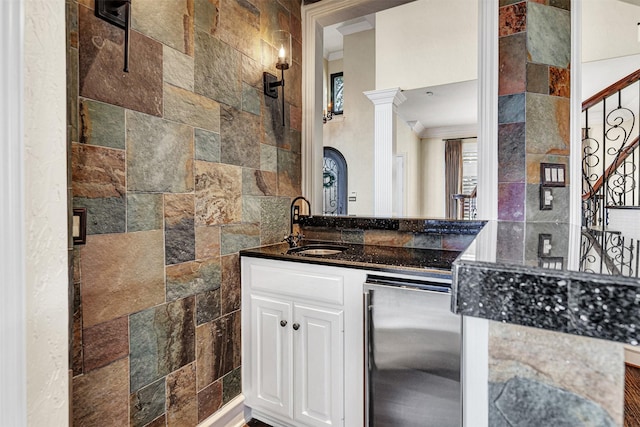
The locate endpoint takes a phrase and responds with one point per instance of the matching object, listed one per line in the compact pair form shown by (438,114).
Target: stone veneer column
(533,105)
(386,102)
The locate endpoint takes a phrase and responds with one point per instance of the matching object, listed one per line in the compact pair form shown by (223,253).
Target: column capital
(386,96)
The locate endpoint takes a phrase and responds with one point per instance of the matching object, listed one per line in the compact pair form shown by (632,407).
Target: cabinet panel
(318,370)
(270,355)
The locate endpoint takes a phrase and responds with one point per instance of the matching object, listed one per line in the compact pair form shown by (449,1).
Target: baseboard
(230,415)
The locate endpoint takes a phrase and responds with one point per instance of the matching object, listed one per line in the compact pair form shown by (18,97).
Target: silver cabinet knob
(283,323)
(296,326)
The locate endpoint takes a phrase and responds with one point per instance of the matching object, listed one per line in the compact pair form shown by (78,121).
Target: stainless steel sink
(317,250)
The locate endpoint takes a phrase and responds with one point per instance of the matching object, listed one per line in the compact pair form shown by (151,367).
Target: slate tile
(547,125)
(549,35)
(208,306)
(273,16)
(513,248)
(533,166)
(144,211)
(72,93)
(169,22)
(161,421)
(560,211)
(240,138)
(101,124)
(562,4)
(179,239)
(105,343)
(177,68)
(274,219)
(289,173)
(207,242)
(511,108)
(126,275)
(251,206)
(250,99)
(230,291)
(101,397)
(427,241)
(77,355)
(511,201)
(231,386)
(352,236)
(209,400)
(387,238)
(512,54)
(511,152)
(101,58)
(456,242)
(215,349)
(104,214)
(162,341)
(239,26)
(235,237)
(159,155)
(218,69)
(538,78)
(268,158)
(182,399)
(206,15)
(207,145)
(97,172)
(186,107)
(218,193)
(559,82)
(274,132)
(252,71)
(259,183)
(512,19)
(147,404)
(295,117)
(191,278)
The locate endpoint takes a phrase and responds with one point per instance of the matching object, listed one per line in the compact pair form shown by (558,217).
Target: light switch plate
(546,198)
(544,245)
(553,174)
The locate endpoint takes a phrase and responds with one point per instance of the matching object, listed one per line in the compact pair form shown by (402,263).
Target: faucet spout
(295,216)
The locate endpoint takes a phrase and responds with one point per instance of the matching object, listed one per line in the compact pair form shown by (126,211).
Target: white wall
(427,43)
(46,213)
(609,29)
(408,144)
(433,178)
(352,133)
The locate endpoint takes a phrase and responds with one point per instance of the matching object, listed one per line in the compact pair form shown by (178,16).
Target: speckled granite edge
(395,260)
(438,226)
(605,307)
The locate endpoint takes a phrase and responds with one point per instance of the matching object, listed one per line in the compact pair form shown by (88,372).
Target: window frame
(332,79)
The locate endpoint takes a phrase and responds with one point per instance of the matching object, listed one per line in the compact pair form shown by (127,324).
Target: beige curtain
(453,172)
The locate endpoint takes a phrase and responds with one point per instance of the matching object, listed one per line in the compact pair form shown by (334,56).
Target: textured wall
(533,105)
(540,377)
(180,163)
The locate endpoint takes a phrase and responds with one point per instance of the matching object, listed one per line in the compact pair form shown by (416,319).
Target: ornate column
(385,101)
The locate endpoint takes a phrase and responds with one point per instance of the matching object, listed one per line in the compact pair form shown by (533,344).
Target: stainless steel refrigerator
(412,354)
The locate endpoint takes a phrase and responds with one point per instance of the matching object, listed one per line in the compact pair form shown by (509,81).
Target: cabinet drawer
(328,288)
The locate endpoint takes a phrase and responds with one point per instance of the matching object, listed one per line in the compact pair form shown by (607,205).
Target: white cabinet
(298,320)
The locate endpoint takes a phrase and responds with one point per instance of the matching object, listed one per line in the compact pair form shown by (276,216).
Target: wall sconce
(327,114)
(118,13)
(282,41)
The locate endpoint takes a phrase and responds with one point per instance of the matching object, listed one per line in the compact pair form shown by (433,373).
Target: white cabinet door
(271,349)
(318,365)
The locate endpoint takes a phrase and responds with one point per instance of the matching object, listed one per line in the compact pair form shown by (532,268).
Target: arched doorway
(334,183)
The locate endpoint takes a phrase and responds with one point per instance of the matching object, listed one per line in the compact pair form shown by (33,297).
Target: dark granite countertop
(414,261)
(586,283)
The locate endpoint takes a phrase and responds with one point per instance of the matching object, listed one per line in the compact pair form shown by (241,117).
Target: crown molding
(457,131)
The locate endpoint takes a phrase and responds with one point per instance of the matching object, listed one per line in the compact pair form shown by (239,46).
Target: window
(337,86)
(334,183)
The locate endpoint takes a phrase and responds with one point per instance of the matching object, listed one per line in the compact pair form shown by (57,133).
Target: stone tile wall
(180,163)
(540,377)
(533,105)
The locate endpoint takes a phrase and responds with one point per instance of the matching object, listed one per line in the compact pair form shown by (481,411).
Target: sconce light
(118,13)
(282,41)
(327,114)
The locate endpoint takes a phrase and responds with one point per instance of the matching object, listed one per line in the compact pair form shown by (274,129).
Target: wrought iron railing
(606,252)
(610,154)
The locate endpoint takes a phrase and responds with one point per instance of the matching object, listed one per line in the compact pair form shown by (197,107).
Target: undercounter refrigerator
(412,354)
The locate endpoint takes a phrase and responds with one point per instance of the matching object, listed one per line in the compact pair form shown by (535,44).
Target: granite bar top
(552,276)
(413,261)
(416,225)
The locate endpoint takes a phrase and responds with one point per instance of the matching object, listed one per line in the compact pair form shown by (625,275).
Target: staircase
(611,175)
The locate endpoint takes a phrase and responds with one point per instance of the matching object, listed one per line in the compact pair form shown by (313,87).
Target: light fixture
(327,114)
(282,42)
(118,13)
